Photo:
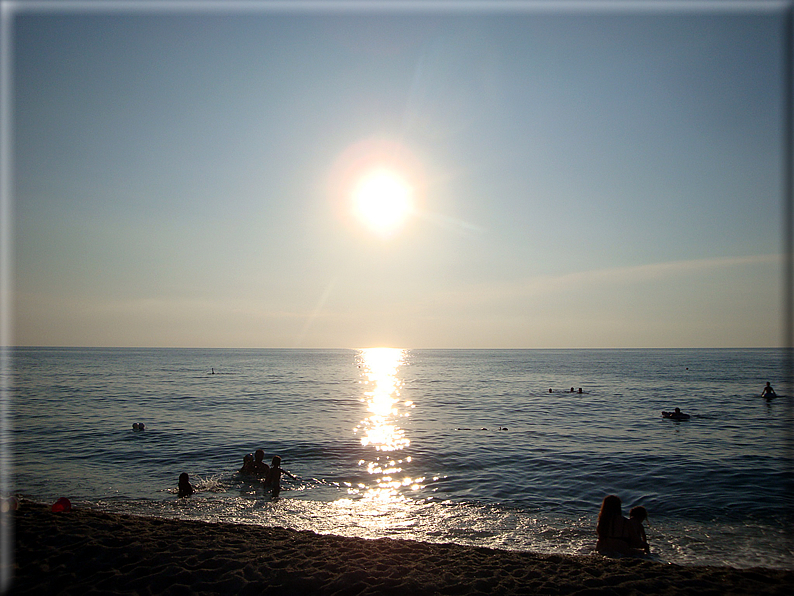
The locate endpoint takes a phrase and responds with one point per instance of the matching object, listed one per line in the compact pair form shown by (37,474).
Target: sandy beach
(85,551)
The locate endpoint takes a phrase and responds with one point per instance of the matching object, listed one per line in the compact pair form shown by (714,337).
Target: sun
(378,186)
(382,201)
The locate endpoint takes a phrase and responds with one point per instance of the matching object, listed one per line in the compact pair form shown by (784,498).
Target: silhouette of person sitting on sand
(637,515)
(185,488)
(616,534)
(273,480)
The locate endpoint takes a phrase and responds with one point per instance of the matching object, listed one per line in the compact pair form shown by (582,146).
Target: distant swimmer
(580,390)
(768,392)
(138,426)
(677,414)
(213,371)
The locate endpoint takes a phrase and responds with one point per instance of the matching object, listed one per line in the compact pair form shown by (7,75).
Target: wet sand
(84,551)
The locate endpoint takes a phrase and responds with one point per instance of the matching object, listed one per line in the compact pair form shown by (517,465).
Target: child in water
(637,515)
(248,465)
(185,488)
(273,480)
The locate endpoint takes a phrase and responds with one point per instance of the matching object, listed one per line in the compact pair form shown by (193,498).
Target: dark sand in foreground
(87,552)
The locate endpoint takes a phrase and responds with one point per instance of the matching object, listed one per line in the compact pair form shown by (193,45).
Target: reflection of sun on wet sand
(85,551)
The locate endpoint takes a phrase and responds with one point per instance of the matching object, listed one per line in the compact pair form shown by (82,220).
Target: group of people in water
(768,392)
(253,467)
(618,535)
(270,476)
(626,536)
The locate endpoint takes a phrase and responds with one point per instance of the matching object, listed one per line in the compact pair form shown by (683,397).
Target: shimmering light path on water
(408,443)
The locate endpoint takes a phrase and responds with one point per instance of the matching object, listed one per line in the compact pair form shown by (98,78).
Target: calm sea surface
(407,443)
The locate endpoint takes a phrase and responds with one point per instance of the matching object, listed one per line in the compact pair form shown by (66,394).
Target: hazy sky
(589,177)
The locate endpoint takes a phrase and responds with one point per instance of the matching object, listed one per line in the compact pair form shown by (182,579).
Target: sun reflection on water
(380,430)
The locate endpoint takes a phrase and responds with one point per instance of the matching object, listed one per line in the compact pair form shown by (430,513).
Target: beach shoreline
(83,550)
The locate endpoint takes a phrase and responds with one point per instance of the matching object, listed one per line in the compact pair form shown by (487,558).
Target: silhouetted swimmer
(248,464)
(185,488)
(138,426)
(677,414)
(261,469)
(580,390)
(273,480)
(768,392)
(213,371)
(550,391)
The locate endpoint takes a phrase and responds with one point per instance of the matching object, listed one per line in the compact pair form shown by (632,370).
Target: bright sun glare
(382,201)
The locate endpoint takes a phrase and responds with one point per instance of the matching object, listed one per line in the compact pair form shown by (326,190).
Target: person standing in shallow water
(273,480)
(261,469)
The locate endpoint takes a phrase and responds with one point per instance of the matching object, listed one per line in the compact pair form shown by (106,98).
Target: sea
(490,448)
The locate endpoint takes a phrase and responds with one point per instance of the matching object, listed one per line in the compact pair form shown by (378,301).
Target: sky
(578,176)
